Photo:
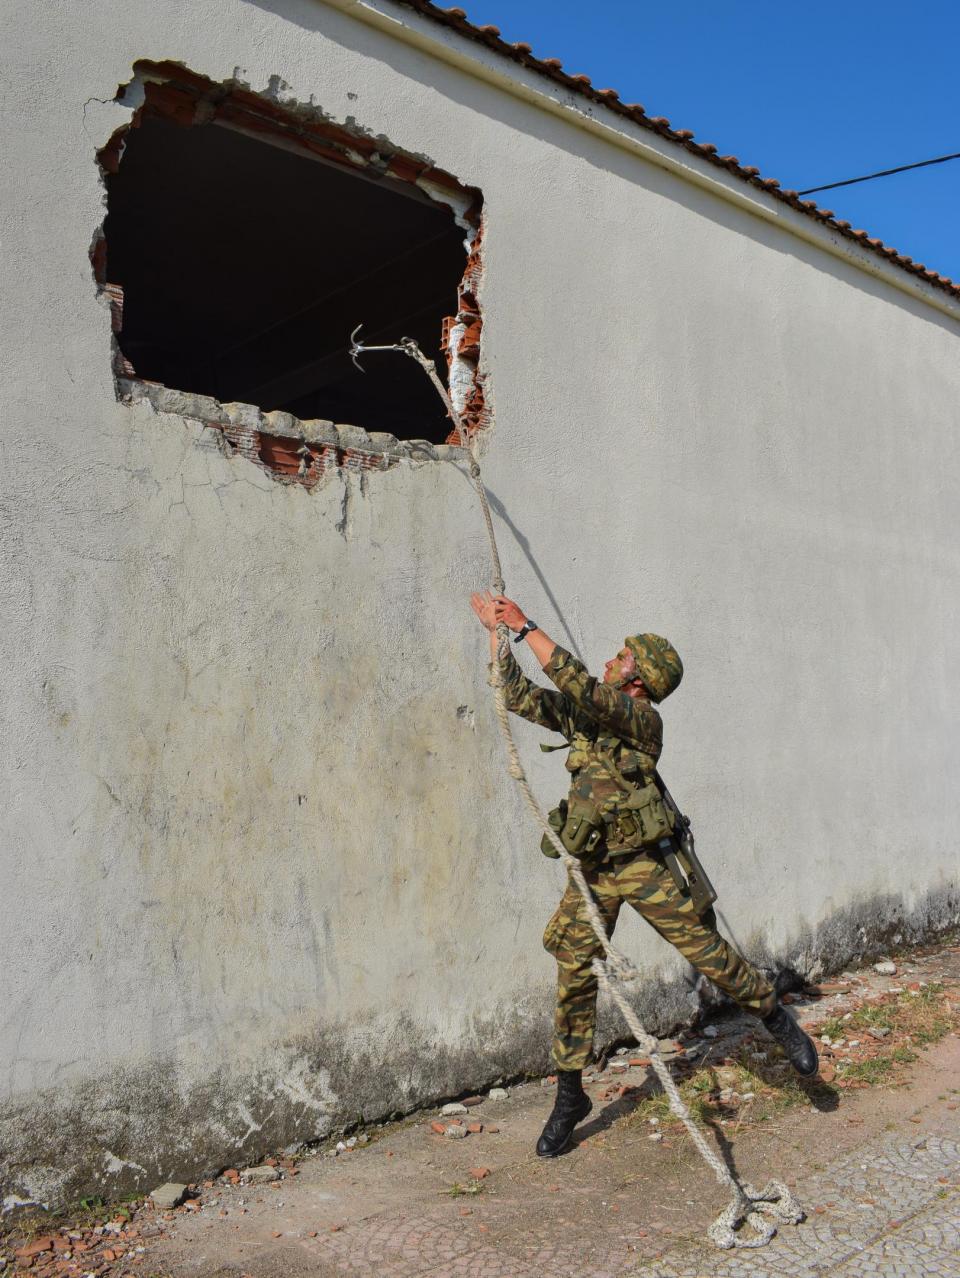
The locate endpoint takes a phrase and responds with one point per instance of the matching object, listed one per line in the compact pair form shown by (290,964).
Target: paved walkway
(894,1213)
(877,1171)
(887,1209)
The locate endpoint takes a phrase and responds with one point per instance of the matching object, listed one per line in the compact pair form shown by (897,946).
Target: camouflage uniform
(597,718)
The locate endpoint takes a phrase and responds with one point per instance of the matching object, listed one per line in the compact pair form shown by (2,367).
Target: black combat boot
(798,1046)
(571,1107)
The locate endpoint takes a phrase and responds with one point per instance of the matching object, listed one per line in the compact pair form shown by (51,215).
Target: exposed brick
(289,450)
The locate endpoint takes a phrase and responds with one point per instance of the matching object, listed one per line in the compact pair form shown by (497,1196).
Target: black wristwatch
(528,625)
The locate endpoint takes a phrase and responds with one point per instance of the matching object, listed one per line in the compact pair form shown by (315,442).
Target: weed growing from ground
(456,1190)
(916,1017)
(758,1091)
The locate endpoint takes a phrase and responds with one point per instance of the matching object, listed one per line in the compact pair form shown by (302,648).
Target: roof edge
(697,162)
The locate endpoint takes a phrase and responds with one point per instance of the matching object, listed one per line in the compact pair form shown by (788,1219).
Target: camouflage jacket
(596,719)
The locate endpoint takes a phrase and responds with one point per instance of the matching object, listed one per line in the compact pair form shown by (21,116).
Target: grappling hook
(406,346)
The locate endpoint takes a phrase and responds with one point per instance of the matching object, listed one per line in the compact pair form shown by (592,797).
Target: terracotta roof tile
(552,68)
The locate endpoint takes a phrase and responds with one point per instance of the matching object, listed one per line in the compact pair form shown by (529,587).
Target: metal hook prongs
(355,348)
(406,346)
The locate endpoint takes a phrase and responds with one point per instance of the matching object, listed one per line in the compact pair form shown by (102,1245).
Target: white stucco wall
(262,869)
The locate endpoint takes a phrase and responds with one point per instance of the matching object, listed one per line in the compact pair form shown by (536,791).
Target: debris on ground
(165,1197)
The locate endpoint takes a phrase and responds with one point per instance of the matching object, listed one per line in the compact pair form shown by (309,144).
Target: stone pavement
(877,1170)
(893,1212)
(887,1208)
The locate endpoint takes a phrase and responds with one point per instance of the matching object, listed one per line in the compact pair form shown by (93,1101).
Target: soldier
(613,721)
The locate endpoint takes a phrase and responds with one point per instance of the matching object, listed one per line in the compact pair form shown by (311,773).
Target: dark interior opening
(245,266)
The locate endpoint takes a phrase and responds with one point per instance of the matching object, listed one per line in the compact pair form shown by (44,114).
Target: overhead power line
(831,186)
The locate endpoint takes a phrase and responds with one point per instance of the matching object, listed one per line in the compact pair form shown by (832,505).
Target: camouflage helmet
(658,664)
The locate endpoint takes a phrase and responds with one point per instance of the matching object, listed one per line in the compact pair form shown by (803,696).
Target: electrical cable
(903,168)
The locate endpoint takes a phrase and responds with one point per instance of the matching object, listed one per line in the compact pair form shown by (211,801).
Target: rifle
(680,857)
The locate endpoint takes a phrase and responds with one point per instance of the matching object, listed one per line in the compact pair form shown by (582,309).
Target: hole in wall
(245,239)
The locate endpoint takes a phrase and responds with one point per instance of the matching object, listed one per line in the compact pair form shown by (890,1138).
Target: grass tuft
(456,1190)
(916,1018)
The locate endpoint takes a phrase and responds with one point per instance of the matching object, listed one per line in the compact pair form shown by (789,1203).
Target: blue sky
(809,93)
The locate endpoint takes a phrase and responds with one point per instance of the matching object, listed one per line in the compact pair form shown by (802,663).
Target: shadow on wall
(524,544)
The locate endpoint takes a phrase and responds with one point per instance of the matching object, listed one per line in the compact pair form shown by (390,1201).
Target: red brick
(35,1248)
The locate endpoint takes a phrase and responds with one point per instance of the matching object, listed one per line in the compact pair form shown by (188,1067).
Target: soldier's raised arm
(633,718)
(546,707)
(626,715)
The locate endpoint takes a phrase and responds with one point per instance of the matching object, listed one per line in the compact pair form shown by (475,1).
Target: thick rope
(747,1204)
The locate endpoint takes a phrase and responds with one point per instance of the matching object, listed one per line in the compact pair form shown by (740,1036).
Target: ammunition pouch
(579,826)
(644,819)
(556,818)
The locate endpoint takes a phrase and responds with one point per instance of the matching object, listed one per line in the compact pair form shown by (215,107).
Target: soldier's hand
(509,613)
(485,608)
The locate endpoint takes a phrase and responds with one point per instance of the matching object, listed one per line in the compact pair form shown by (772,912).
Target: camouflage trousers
(647,885)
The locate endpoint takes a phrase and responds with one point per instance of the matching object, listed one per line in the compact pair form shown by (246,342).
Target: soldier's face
(621,668)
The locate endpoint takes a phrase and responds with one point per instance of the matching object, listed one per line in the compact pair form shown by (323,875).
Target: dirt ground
(408,1199)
